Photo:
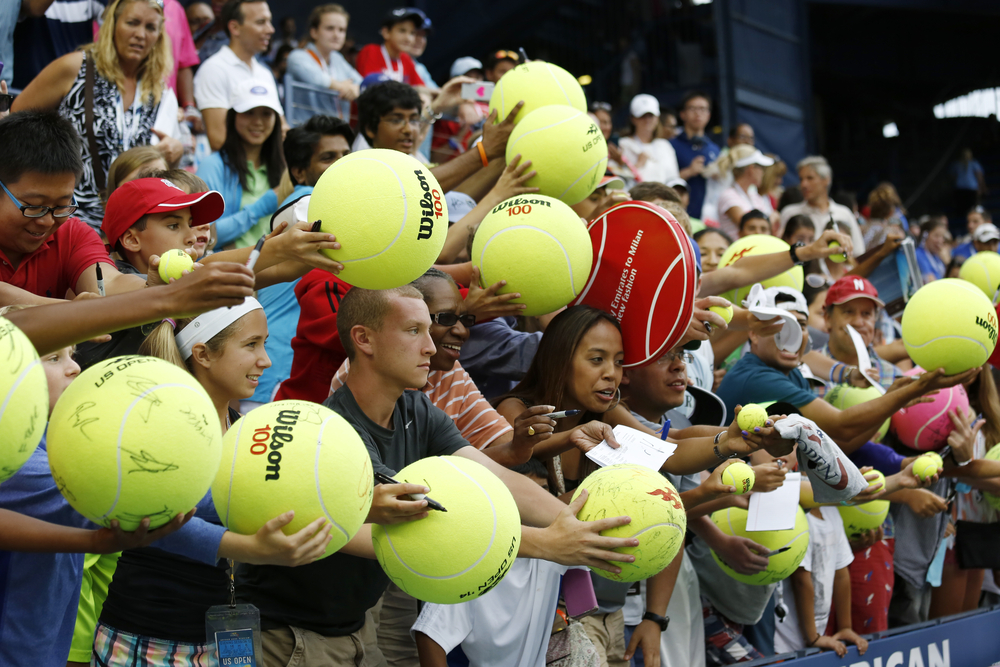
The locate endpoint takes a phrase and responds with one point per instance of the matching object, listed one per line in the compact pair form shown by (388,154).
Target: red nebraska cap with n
(644,275)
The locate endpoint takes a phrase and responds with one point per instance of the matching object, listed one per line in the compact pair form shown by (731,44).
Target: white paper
(637,448)
(864,361)
(776,509)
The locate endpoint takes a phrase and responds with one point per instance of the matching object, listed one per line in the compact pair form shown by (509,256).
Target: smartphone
(480,91)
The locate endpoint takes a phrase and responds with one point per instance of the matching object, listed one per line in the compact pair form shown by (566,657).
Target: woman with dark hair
(247,169)
(933,240)
(799,228)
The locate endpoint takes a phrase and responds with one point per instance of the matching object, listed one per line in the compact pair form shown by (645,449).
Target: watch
(793,251)
(662,621)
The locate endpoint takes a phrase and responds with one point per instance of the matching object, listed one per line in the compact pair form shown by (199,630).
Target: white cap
(643,104)
(464,65)
(252,93)
(755,158)
(986,232)
(677,182)
(459,204)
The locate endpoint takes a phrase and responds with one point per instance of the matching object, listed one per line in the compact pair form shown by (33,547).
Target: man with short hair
(248,25)
(318,612)
(694,150)
(815,178)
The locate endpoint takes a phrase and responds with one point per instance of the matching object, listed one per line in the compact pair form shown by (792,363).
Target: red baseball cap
(156,195)
(849,288)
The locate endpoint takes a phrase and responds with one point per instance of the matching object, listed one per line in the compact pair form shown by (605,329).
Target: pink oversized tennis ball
(926,426)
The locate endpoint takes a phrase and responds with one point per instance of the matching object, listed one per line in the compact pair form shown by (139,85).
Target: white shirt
(661,163)
(828,551)
(507,627)
(841,214)
(216,77)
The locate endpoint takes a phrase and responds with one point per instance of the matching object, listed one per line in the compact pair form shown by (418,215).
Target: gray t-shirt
(739,602)
(917,539)
(330,596)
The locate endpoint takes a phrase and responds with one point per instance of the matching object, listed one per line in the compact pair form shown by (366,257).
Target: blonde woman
(747,164)
(132,106)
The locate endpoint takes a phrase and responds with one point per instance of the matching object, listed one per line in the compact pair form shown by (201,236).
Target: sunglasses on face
(449,319)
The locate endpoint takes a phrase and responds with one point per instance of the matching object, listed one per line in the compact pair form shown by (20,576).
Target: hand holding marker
(382,478)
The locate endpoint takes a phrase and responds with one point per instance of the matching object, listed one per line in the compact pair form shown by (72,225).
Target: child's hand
(769,476)
(925,504)
(512,180)
(830,644)
(114,539)
(714,484)
(486,304)
(851,637)
(298,243)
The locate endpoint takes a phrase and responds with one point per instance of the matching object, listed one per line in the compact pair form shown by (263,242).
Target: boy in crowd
(392,57)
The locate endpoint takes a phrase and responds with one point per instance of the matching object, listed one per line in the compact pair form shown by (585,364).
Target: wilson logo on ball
(990,325)
(431,207)
(279,436)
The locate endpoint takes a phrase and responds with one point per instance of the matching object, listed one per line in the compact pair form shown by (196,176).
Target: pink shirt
(181,42)
(746,200)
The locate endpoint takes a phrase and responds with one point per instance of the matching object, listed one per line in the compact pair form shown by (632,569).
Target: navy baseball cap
(401,14)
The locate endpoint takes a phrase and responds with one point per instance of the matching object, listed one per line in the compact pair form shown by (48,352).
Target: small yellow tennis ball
(949,324)
(867,516)
(839,257)
(658,518)
(294,455)
(173,264)
(740,476)
(926,466)
(983,271)
(751,416)
(725,312)
(791,543)
(993,455)
(24,399)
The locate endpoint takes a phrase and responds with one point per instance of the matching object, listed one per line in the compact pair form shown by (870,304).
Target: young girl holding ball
(156,602)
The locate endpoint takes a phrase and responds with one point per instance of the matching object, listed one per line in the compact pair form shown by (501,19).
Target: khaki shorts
(607,632)
(297,647)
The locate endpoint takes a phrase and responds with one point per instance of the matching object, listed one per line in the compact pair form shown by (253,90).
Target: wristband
(795,256)
(482,154)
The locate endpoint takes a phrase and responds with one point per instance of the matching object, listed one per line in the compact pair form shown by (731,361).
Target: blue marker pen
(666,430)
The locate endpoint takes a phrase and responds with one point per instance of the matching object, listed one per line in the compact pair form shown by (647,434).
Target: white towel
(834,477)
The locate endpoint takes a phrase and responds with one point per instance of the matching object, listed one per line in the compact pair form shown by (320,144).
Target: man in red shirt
(44,251)
(399,28)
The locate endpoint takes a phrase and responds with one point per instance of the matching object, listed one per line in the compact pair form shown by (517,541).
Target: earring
(618,398)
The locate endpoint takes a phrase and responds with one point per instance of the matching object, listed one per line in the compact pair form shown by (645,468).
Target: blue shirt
(687,150)
(40,592)
(497,355)
(302,67)
(282,310)
(965,174)
(753,381)
(929,263)
(964,250)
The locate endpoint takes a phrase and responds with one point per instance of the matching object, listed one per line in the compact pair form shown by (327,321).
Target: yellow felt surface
(983,271)
(845,396)
(537,84)
(24,399)
(294,455)
(949,324)
(733,521)
(760,244)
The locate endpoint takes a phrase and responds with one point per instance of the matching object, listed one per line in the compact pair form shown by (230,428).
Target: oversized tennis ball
(926,426)
(866,516)
(839,257)
(537,244)
(388,213)
(926,466)
(537,84)
(294,455)
(993,455)
(983,271)
(173,264)
(949,324)
(760,244)
(460,554)
(565,147)
(24,399)
(134,437)
(733,521)
(844,396)
(740,476)
(725,312)
(658,518)
(751,416)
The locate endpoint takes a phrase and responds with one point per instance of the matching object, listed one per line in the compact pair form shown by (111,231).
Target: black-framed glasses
(449,319)
(29,211)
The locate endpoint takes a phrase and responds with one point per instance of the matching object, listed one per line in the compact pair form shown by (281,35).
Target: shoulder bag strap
(100,178)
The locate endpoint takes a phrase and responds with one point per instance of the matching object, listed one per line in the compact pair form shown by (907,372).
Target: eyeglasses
(399,121)
(671,357)
(42,211)
(449,319)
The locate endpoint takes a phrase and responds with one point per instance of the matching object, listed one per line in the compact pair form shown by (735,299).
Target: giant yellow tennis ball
(740,476)
(926,466)
(983,271)
(387,212)
(760,244)
(460,554)
(538,245)
(173,264)
(24,399)
(733,521)
(751,416)
(993,455)
(844,396)
(866,516)
(294,455)
(565,147)
(658,518)
(537,84)
(134,437)
(949,324)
